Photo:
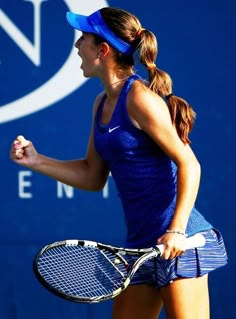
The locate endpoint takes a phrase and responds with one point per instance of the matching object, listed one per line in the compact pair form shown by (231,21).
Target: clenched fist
(23,152)
(19,144)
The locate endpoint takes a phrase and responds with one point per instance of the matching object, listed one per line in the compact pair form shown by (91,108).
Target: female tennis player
(140,133)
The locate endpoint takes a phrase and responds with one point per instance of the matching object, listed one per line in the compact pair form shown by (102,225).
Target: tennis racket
(88,272)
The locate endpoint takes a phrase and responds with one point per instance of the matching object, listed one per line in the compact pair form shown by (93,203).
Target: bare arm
(89,173)
(152,115)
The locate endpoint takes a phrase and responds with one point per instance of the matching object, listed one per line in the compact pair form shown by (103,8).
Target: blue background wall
(197,47)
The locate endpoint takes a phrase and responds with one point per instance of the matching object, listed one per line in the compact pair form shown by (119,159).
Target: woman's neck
(113,86)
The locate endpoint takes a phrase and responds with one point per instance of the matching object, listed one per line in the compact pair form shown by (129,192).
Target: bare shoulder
(141,100)
(149,112)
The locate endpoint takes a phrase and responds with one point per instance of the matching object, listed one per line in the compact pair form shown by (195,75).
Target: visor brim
(79,22)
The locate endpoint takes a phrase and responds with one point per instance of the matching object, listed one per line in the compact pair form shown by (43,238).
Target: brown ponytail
(182,114)
(128,28)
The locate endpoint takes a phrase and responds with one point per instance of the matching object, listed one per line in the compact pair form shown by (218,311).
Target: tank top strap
(127,87)
(121,99)
(99,110)
(121,103)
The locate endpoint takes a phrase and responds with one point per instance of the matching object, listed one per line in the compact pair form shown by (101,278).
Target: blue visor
(96,25)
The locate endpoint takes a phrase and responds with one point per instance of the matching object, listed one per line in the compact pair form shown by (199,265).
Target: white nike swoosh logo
(112,129)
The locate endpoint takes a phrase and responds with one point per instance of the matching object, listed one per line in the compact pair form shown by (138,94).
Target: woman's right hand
(23,152)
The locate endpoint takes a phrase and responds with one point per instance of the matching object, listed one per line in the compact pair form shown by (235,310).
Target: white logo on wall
(61,83)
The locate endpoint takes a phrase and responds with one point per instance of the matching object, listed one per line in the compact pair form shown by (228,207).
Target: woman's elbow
(96,184)
(97,187)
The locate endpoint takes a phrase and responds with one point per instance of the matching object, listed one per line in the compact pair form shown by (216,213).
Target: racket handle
(197,240)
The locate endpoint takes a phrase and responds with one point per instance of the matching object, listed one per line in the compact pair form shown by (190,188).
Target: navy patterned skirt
(191,264)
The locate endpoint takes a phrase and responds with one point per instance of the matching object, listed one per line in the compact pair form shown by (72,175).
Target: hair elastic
(140,31)
(168,96)
(151,66)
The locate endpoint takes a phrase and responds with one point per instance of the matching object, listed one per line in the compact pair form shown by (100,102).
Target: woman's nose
(77,43)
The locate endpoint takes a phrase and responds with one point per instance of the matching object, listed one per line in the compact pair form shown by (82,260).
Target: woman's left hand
(174,245)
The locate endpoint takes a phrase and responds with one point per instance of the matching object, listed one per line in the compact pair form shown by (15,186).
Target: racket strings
(82,271)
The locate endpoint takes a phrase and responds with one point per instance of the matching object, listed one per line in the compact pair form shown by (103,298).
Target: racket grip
(197,240)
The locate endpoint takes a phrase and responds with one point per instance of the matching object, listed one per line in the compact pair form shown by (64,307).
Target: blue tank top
(144,175)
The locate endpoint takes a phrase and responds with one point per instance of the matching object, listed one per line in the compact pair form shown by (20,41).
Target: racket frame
(143,254)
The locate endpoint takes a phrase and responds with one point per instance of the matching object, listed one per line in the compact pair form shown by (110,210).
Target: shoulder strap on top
(127,86)
(121,99)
